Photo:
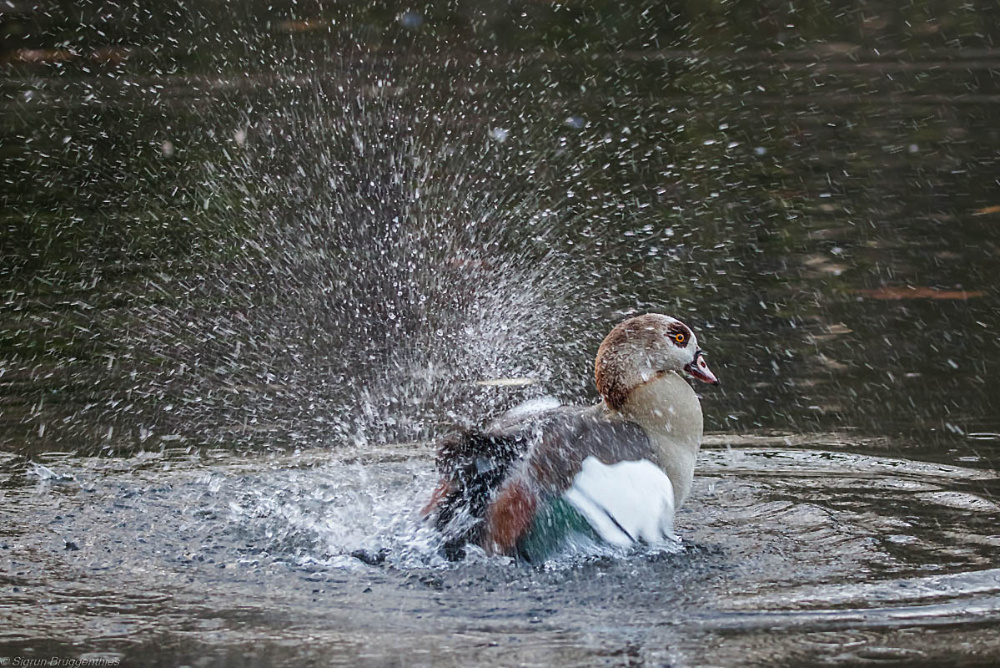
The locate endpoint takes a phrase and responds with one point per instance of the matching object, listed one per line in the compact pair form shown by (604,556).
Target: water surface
(787,553)
(246,252)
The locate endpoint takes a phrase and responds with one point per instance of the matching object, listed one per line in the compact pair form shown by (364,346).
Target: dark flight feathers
(545,450)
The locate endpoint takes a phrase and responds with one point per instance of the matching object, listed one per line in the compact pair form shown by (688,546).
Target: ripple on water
(830,549)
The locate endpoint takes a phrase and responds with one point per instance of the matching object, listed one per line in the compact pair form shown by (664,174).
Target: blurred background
(257,255)
(270,224)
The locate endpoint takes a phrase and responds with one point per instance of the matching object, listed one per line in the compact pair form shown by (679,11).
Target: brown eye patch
(679,334)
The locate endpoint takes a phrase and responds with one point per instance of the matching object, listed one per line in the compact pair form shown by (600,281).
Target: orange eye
(679,338)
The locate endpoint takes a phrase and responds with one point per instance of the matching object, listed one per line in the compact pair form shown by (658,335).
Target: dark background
(264,224)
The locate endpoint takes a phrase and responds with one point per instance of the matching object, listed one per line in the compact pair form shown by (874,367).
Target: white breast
(625,503)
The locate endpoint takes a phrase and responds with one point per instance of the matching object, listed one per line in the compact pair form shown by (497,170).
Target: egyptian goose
(615,471)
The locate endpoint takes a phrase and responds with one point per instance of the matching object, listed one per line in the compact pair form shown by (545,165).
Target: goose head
(642,349)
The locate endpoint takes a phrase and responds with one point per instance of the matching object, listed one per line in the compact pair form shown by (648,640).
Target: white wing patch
(625,503)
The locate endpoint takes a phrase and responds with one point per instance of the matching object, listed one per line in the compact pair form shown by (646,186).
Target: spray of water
(377,268)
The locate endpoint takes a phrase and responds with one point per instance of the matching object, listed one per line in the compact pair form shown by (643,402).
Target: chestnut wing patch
(477,465)
(473,466)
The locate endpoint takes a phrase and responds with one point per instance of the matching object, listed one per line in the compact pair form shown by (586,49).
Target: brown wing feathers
(473,465)
(485,498)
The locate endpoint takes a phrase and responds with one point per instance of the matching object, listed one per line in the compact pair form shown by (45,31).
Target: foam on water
(353,515)
(324,514)
(772,537)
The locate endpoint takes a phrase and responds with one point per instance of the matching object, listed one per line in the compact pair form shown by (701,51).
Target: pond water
(254,258)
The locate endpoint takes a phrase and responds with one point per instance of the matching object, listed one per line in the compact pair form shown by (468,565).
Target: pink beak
(699,369)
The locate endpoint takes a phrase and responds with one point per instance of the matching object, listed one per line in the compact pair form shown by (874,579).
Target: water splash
(374,269)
